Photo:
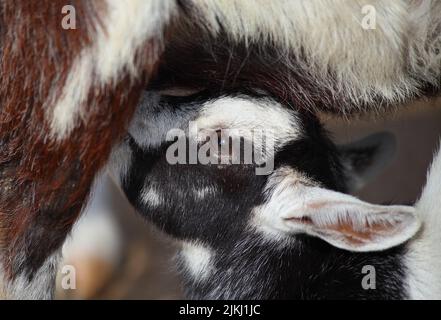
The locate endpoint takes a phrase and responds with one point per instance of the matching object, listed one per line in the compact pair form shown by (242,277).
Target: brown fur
(44,183)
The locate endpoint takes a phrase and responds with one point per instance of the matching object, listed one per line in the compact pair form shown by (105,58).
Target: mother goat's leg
(65,98)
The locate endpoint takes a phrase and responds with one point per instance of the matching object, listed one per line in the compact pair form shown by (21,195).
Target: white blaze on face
(261,121)
(249,113)
(260,125)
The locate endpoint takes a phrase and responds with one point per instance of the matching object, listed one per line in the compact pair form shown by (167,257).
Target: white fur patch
(198,259)
(424,254)
(119,34)
(201,193)
(364,63)
(41,287)
(246,114)
(152,197)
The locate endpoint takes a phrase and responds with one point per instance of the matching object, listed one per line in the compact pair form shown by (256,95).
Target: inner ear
(363,160)
(349,223)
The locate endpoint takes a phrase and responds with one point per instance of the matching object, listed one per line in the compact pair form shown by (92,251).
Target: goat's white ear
(363,160)
(349,223)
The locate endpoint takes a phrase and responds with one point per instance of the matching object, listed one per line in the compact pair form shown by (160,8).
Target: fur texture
(61,111)
(317,55)
(66,96)
(424,256)
(261,237)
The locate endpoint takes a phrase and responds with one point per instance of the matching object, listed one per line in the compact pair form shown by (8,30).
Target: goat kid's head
(220,204)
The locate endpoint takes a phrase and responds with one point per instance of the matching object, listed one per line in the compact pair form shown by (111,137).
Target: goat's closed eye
(180,91)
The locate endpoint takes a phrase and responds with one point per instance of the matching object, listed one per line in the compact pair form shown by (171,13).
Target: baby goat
(292,234)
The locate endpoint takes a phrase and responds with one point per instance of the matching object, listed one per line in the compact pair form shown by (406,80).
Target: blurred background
(116,255)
